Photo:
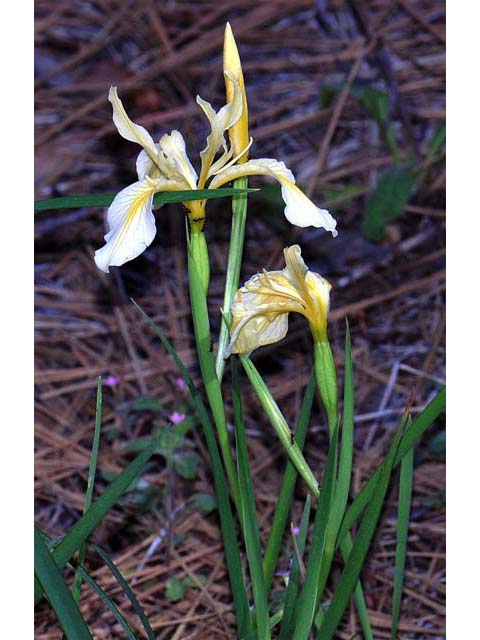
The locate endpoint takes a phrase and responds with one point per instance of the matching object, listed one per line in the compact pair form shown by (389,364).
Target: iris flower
(165,166)
(261,307)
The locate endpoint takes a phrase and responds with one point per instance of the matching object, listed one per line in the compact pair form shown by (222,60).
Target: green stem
(326,377)
(197,260)
(235,251)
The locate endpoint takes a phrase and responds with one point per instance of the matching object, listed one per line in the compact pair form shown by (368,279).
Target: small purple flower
(180,384)
(176,417)
(111,381)
(295,531)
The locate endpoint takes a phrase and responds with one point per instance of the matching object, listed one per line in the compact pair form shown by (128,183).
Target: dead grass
(160,55)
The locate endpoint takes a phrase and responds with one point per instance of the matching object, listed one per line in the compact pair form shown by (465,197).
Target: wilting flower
(261,307)
(166,167)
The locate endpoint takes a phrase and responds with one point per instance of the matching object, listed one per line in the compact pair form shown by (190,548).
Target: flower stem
(326,377)
(197,259)
(235,251)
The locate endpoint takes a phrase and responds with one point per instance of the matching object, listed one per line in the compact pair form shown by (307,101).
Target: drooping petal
(131,225)
(299,209)
(128,129)
(173,146)
(258,330)
(219,123)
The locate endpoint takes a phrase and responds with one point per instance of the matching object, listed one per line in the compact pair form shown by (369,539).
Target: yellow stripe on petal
(131,226)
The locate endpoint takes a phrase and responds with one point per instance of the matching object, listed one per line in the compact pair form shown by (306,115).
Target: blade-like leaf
(106,199)
(413,434)
(232,552)
(57,592)
(107,601)
(87,523)
(126,590)
(77,582)
(284,502)
(404,501)
(308,599)
(250,528)
(286,629)
(356,559)
(280,425)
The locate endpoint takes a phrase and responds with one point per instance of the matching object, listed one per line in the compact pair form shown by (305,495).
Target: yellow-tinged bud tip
(232,67)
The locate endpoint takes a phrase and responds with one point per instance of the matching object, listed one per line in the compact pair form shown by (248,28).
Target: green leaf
(186,465)
(308,599)
(376,102)
(107,601)
(87,523)
(388,201)
(204,501)
(274,544)
(249,520)
(126,590)
(280,425)
(350,575)
(413,434)
(77,582)
(286,629)
(404,502)
(174,590)
(57,592)
(106,199)
(232,551)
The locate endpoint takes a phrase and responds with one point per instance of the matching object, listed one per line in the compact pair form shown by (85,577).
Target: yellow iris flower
(261,307)
(166,167)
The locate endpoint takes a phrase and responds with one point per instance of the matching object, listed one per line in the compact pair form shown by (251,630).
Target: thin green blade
(279,423)
(77,582)
(87,523)
(107,601)
(57,592)
(404,502)
(274,544)
(249,513)
(106,199)
(356,559)
(308,599)
(286,629)
(126,590)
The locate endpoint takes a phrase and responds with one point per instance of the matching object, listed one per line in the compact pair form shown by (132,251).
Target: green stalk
(326,377)
(235,251)
(280,425)
(197,268)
